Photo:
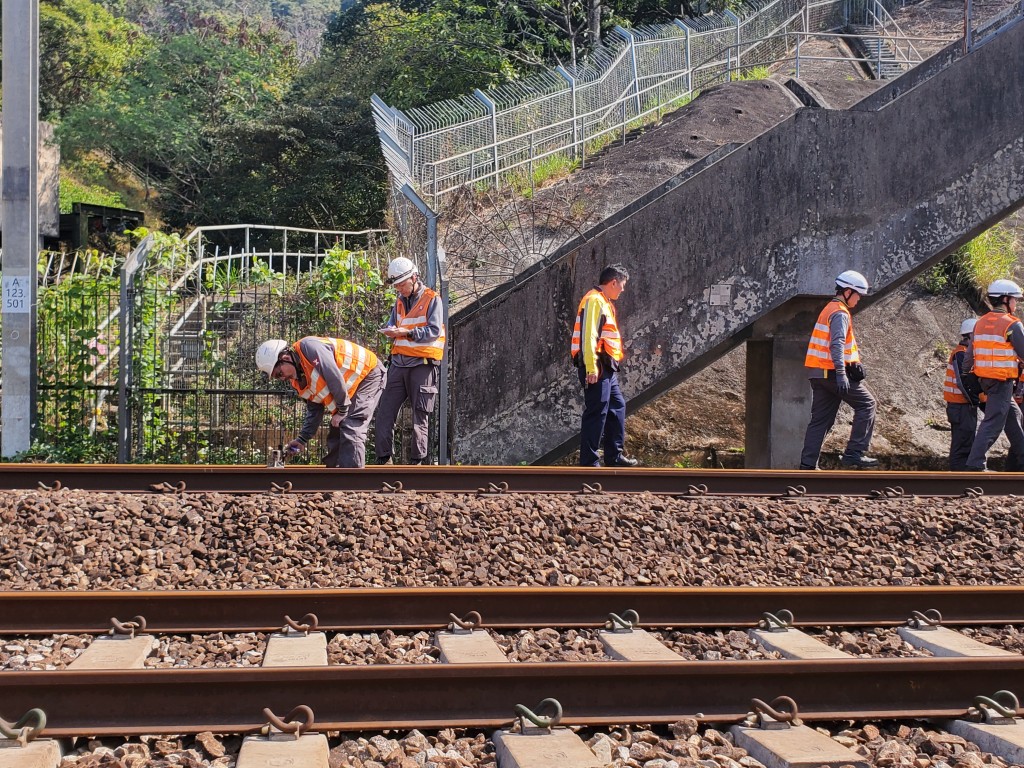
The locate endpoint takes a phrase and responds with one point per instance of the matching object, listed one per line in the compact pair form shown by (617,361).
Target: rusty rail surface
(169,478)
(406,609)
(484,695)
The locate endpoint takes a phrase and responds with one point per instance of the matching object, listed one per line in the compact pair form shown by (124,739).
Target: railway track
(483,695)
(480,479)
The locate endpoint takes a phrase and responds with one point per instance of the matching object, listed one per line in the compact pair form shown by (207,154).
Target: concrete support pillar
(778,395)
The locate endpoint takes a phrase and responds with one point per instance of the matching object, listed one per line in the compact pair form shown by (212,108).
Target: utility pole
(20,212)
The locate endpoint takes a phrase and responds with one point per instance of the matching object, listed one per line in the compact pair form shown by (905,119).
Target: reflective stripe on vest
(609,341)
(354,362)
(818,353)
(417,318)
(951,391)
(994,356)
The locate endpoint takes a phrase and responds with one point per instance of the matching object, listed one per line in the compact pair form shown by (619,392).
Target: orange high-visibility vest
(951,391)
(609,341)
(417,318)
(818,354)
(994,356)
(354,361)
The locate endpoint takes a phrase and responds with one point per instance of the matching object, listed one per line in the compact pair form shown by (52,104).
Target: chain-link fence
(635,72)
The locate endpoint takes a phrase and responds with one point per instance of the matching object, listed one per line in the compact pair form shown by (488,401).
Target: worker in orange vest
(332,375)
(962,401)
(993,355)
(596,352)
(416,328)
(837,376)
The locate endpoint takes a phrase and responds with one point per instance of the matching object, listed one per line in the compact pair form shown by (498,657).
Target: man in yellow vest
(961,402)
(836,376)
(332,375)
(596,352)
(416,328)
(993,355)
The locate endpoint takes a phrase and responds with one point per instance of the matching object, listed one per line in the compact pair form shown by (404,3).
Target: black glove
(294,447)
(842,385)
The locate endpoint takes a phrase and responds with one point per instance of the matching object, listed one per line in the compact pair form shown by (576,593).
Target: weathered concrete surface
(49,181)
(888,187)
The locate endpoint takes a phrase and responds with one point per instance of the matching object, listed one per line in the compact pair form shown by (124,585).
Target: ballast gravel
(82,540)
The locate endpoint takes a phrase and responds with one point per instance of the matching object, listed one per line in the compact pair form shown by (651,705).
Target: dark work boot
(624,461)
(384,460)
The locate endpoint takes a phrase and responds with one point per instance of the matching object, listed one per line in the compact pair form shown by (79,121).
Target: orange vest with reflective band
(417,318)
(950,388)
(818,354)
(609,341)
(994,356)
(353,361)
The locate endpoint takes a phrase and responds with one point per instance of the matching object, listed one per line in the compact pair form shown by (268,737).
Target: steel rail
(483,695)
(407,609)
(460,479)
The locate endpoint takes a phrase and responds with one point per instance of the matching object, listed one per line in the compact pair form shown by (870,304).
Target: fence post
(126,319)
(736,20)
(630,39)
(689,64)
(435,276)
(492,109)
(572,95)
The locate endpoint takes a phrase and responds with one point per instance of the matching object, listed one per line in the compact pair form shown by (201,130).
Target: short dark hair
(613,272)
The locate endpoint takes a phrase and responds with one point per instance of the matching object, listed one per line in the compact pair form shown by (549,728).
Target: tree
(171,119)
(83,50)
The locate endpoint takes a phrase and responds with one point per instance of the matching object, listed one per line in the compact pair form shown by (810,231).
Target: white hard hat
(401,268)
(967,326)
(854,280)
(268,353)
(1004,288)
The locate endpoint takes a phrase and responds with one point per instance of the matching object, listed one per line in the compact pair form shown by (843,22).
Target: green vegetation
(73,191)
(990,256)
(752,73)
(546,170)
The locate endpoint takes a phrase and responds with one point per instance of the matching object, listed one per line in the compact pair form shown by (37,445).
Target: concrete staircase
(869,43)
(749,241)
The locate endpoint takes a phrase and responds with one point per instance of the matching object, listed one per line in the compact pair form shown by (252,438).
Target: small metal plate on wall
(721,295)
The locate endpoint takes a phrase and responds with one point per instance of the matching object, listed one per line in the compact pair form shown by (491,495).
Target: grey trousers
(825,402)
(417,384)
(1001,412)
(963,423)
(346,443)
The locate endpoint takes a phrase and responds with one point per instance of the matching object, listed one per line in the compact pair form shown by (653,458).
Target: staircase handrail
(885,21)
(201,259)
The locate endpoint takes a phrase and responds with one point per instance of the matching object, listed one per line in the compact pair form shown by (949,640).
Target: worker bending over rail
(332,375)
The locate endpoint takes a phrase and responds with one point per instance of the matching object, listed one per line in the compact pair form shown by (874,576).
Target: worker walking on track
(332,375)
(596,352)
(416,327)
(962,401)
(994,354)
(837,376)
